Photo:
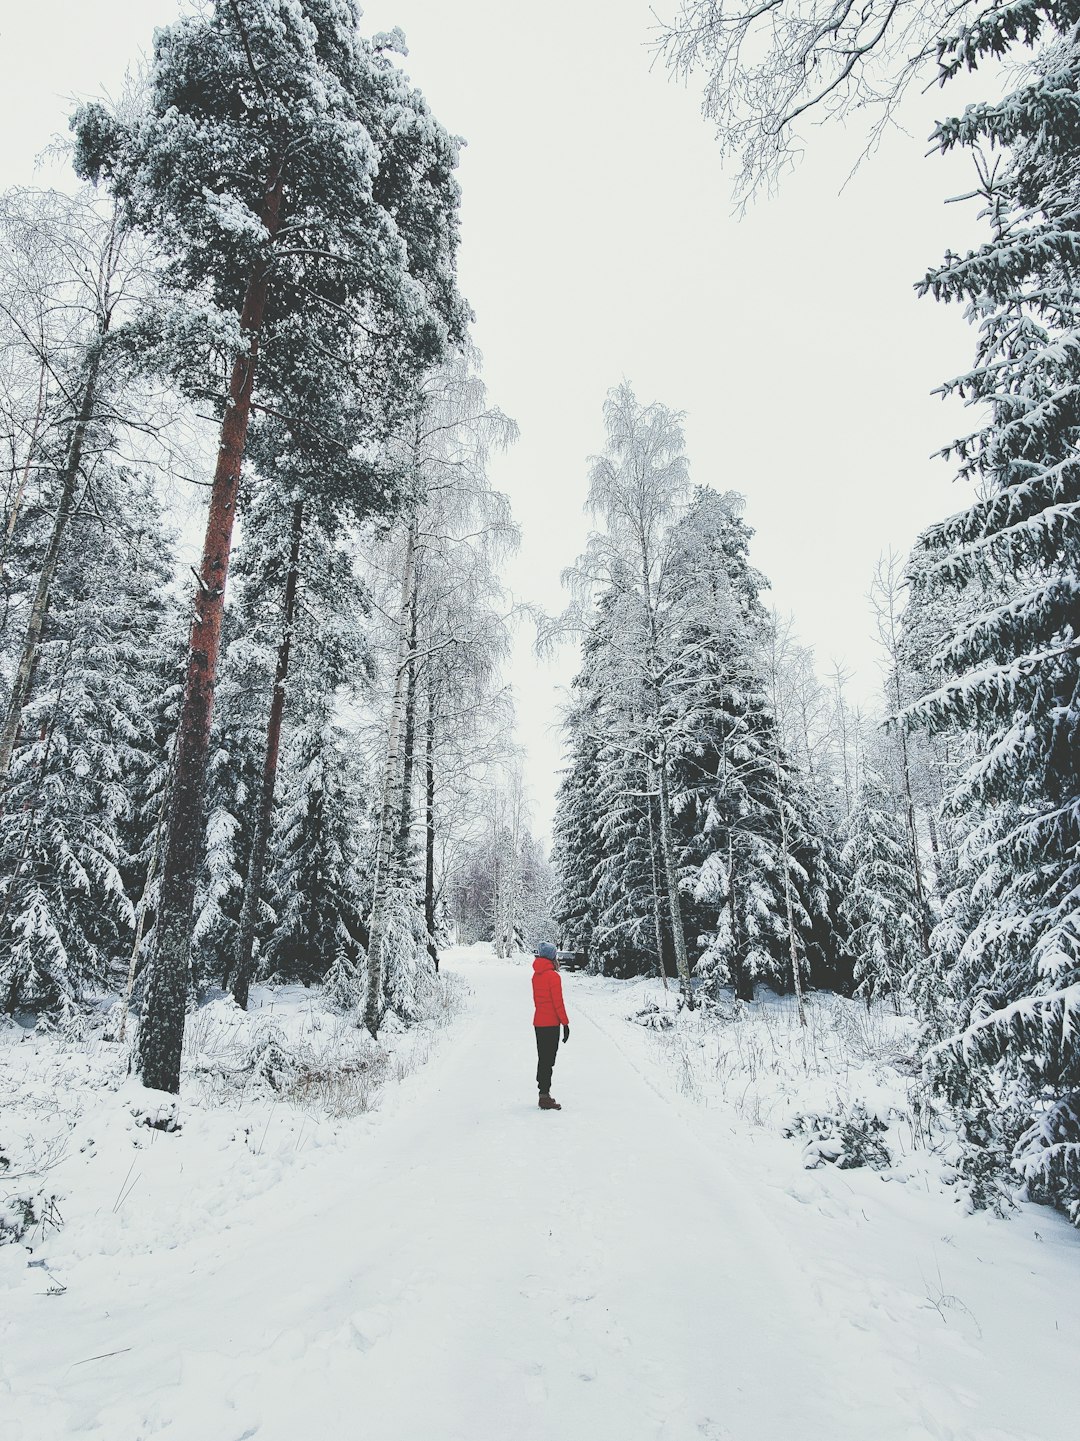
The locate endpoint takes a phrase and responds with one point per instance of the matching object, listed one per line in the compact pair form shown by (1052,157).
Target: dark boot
(548,1103)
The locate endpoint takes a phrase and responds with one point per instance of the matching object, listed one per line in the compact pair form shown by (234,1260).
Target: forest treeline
(725,816)
(253,298)
(274,742)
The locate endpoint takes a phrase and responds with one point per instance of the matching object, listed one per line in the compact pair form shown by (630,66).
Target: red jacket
(547,993)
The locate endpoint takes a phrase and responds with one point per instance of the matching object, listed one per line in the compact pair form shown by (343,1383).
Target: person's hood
(541,963)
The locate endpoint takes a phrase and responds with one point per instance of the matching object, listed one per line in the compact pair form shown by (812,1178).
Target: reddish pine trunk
(249,913)
(161,1034)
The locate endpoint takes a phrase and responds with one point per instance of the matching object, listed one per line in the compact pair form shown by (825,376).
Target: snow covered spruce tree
(610,900)
(756,856)
(684,832)
(1011,671)
(885,911)
(75,841)
(316,889)
(303,197)
(577,846)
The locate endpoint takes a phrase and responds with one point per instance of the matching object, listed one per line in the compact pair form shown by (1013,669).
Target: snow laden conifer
(1010,672)
(732,774)
(302,196)
(685,833)
(232,796)
(576,846)
(612,898)
(74,848)
(315,886)
(882,905)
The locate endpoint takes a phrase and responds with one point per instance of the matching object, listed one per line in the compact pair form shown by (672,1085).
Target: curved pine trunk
(161,1034)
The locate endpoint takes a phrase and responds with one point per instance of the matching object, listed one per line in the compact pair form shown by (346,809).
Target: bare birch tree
(66,267)
(451,629)
(887,598)
(771,68)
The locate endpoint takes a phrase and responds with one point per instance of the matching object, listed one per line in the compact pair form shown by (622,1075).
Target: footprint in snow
(535,1387)
(369,1326)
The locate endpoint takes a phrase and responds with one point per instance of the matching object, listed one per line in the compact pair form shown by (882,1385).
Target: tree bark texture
(390,809)
(264,818)
(913,833)
(658,925)
(741,978)
(429,829)
(20,490)
(161,1034)
(408,764)
(789,910)
(678,935)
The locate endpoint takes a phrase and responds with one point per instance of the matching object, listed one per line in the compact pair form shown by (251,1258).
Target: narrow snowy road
(479,1271)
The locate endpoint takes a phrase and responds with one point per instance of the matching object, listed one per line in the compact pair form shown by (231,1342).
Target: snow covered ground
(438,1260)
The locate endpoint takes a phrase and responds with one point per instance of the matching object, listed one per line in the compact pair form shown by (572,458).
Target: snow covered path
(476,1270)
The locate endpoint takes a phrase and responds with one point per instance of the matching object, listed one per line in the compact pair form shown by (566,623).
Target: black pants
(547,1046)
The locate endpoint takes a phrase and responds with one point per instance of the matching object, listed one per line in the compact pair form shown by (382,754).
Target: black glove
(565,1034)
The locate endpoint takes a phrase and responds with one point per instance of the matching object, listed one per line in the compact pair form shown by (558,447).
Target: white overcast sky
(600,244)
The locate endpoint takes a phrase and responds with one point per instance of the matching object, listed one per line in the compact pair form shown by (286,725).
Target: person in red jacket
(549,1015)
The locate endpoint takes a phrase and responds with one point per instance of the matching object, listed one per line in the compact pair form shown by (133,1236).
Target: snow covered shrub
(654,1017)
(849,1139)
(24,1209)
(271,1062)
(981,1171)
(157,1111)
(1048,1156)
(23,1212)
(339,1088)
(341,985)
